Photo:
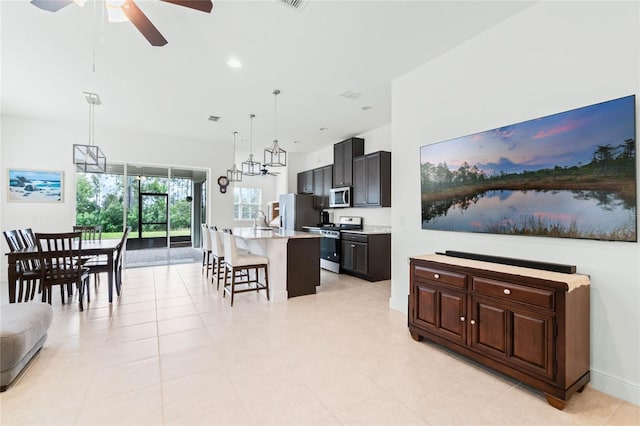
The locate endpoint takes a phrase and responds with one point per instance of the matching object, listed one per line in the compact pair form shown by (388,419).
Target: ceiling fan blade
(201,5)
(51,5)
(143,24)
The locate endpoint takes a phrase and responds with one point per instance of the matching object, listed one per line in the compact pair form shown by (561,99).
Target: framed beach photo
(35,186)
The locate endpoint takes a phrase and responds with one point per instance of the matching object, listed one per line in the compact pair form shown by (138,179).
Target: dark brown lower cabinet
(366,256)
(303,266)
(528,324)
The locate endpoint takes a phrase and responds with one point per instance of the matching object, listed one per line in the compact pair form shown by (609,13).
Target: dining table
(107,248)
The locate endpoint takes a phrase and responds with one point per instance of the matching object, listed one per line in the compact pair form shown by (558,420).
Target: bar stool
(206,247)
(235,262)
(217,251)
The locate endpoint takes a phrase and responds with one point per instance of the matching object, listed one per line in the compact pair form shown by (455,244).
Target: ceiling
(312,55)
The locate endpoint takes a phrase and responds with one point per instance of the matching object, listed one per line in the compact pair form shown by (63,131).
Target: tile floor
(171,351)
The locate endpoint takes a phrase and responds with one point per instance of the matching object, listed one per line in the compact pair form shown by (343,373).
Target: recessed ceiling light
(297,141)
(214,118)
(366,107)
(324,129)
(234,62)
(350,94)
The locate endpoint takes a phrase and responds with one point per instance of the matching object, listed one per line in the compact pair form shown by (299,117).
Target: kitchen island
(294,259)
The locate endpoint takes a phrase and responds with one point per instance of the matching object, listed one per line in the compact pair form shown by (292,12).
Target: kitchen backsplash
(371,216)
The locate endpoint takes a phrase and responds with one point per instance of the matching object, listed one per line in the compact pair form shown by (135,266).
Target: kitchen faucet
(264,219)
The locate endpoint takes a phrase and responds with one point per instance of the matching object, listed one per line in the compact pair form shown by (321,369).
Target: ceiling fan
(122,10)
(264,171)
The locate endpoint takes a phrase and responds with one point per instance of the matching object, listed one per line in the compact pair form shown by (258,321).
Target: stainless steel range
(330,242)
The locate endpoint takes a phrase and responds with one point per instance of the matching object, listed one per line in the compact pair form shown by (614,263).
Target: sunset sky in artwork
(565,139)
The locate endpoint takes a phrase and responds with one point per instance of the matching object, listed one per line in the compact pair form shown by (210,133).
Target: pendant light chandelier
(251,167)
(274,156)
(234,174)
(90,158)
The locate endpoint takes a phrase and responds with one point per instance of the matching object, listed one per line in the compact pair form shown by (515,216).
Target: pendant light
(274,156)
(251,167)
(90,158)
(233,174)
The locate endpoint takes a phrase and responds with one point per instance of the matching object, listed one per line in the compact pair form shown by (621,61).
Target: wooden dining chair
(91,233)
(119,262)
(61,264)
(29,240)
(100,264)
(28,237)
(28,272)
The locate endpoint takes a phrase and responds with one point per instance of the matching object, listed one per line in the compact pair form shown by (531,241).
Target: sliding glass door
(162,206)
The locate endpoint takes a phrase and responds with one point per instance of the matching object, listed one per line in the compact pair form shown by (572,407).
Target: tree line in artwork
(612,167)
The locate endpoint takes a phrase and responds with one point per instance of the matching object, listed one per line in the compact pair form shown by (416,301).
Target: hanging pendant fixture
(234,174)
(90,158)
(251,167)
(274,156)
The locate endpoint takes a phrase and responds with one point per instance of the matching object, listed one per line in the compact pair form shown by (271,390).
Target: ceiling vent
(214,118)
(296,4)
(350,95)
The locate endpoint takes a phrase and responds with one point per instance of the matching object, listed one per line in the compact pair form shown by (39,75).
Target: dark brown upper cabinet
(322,180)
(305,182)
(372,180)
(343,154)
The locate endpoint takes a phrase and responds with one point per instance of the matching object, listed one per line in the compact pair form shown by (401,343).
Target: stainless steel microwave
(340,197)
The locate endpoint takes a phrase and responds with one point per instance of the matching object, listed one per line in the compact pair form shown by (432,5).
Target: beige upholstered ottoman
(23,331)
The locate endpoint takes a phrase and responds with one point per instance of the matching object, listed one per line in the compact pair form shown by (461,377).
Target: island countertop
(250,233)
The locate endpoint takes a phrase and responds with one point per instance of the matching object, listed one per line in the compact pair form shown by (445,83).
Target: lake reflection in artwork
(571,175)
(584,214)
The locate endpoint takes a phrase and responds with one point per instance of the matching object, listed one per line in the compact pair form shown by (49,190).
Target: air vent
(296,4)
(350,95)
(214,118)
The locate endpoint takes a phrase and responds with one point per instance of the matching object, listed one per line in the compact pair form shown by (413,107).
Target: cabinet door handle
(473,322)
(462,319)
(507,291)
(353,245)
(436,276)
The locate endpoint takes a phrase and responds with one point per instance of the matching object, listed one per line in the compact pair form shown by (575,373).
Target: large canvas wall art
(570,175)
(35,186)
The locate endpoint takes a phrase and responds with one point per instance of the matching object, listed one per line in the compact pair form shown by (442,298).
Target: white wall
(40,144)
(374,140)
(552,57)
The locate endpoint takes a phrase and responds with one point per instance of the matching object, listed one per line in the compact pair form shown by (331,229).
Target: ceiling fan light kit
(234,174)
(251,167)
(128,10)
(115,12)
(90,158)
(274,156)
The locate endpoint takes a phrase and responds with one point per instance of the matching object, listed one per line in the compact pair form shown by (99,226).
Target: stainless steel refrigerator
(296,211)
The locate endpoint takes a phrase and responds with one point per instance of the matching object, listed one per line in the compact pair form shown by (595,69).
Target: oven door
(330,254)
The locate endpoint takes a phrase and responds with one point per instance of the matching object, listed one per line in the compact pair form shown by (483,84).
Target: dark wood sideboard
(529,324)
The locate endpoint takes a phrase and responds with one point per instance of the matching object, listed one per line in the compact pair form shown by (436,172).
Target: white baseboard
(399,304)
(615,387)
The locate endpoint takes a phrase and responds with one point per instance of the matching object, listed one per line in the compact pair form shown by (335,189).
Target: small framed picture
(35,186)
